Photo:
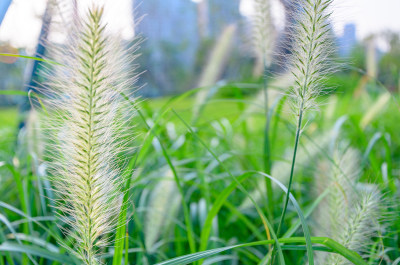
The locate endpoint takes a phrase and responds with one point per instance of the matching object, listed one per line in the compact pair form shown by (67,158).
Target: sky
(370,16)
(22,23)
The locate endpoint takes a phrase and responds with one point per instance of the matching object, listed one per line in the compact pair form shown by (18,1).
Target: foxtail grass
(89,120)
(309,62)
(264,38)
(312,48)
(353,213)
(264,34)
(162,207)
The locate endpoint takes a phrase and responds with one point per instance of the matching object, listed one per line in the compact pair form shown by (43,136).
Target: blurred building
(222,13)
(348,40)
(173,32)
(169,29)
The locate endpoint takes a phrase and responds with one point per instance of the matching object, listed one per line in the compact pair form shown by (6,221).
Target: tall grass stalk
(311,50)
(310,64)
(89,118)
(264,42)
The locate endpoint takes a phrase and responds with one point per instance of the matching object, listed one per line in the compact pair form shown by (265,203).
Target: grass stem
(267,149)
(296,144)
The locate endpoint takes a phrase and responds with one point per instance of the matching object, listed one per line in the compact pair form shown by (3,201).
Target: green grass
(8,117)
(220,156)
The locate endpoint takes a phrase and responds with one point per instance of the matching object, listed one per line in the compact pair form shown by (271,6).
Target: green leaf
(331,246)
(304,224)
(30,57)
(307,213)
(14,93)
(36,251)
(268,227)
(215,209)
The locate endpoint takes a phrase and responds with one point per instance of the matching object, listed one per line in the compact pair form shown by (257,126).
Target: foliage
(220,126)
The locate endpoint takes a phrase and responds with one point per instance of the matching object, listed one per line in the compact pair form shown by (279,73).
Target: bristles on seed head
(311,52)
(352,212)
(264,33)
(89,119)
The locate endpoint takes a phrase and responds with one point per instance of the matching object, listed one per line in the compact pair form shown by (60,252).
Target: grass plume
(264,34)
(311,53)
(309,62)
(352,213)
(89,120)
(264,40)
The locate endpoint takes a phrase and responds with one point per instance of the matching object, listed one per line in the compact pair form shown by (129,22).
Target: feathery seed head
(352,212)
(360,226)
(263,31)
(312,48)
(162,207)
(89,121)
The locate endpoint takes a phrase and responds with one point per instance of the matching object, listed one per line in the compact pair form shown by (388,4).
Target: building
(169,29)
(173,31)
(348,40)
(222,13)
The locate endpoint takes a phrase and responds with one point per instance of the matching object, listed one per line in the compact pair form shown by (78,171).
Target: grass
(25,203)
(8,117)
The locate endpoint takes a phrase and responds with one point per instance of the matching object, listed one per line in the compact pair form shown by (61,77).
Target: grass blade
(36,251)
(30,57)
(268,227)
(331,246)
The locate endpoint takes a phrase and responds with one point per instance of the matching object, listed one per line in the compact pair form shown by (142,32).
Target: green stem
(303,88)
(298,132)
(200,170)
(267,149)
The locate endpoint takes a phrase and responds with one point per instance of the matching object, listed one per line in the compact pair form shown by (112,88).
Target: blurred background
(202,78)
(184,39)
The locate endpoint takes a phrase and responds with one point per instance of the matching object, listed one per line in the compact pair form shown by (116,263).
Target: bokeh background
(180,35)
(203,119)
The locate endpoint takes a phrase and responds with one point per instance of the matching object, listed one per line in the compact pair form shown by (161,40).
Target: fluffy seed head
(263,31)
(88,116)
(161,210)
(312,48)
(352,212)
(360,226)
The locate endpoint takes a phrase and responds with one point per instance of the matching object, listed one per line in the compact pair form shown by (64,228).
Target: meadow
(192,165)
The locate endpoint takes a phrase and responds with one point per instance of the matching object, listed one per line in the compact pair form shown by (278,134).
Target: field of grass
(199,181)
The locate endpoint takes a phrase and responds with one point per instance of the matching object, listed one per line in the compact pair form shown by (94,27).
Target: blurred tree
(389,65)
